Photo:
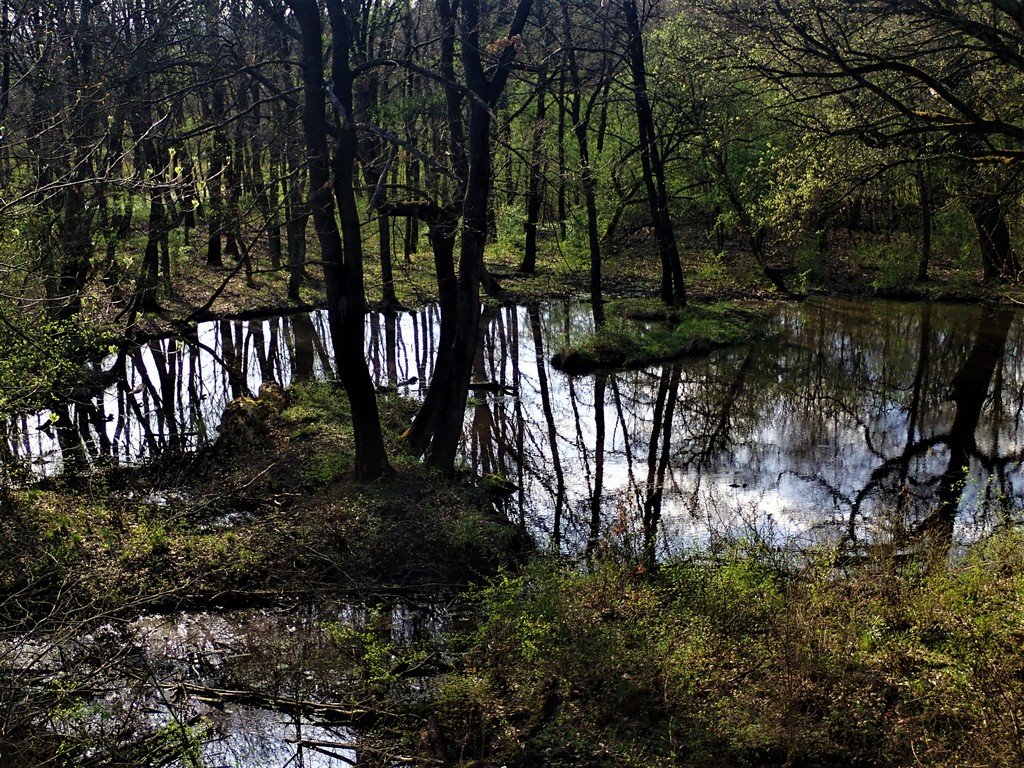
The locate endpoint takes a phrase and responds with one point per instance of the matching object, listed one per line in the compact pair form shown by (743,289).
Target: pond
(849,421)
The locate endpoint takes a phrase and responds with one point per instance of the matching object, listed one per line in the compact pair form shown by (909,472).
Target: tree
(673,286)
(485,83)
(341,252)
(936,75)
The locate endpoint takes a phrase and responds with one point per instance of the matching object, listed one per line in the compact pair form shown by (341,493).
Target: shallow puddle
(253,688)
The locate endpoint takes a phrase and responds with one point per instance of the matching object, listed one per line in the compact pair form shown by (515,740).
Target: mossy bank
(641,332)
(270,511)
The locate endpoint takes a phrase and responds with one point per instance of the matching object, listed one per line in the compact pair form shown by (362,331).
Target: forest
(511,382)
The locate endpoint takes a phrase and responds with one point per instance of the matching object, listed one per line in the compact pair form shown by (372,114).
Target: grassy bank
(641,332)
(268,520)
(734,660)
(270,509)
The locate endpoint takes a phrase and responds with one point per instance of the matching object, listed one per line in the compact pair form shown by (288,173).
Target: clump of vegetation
(270,509)
(35,364)
(640,333)
(736,661)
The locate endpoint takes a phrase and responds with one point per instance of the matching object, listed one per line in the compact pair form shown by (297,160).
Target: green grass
(736,661)
(640,332)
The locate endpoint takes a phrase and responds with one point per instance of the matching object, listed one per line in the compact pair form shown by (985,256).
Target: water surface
(851,420)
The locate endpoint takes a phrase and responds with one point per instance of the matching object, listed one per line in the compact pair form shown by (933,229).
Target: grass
(274,508)
(641,332)
(736,661)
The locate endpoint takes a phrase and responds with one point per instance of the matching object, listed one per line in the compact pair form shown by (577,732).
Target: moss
(497,484)
(640,333)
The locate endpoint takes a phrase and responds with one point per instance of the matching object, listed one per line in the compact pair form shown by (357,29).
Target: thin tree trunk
(581,127)
(925,199)
(534,190)
(673,286)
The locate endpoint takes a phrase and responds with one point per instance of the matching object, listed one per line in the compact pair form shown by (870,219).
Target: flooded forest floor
(266,519)
(248,604)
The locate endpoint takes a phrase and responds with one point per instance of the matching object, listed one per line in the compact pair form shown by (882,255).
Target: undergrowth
(732,661)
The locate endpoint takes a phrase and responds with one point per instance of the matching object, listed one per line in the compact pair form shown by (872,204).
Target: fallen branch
(327,712)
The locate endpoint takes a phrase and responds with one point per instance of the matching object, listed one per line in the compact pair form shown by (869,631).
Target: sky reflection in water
(850,419)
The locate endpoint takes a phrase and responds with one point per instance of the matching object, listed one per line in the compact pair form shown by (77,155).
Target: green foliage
(324,468)
(893,260)
(511,235)
(368,650)
(315,403)
(733,660)
(38,357)
(954,236)
(713,272)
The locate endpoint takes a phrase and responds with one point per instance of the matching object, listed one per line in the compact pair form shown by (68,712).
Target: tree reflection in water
(852,422)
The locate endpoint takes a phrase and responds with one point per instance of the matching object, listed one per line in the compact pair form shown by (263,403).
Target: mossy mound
(271,510)
(640,333)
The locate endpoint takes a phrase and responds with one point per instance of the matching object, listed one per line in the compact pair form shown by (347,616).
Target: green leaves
(38,358)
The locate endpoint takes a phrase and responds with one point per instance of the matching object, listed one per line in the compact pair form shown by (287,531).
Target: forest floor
(731,275)
(737,654)
(270,508)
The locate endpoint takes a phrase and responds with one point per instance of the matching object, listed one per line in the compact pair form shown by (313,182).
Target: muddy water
(851,420)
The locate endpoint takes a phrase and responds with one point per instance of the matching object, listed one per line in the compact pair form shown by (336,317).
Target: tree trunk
(442,241)
(673,287)
(442,229)
(448,427)
(218,154)
(925,199)
(486,92)
(342,268)
(296,219)
(581,128)
(534,188)
(998,257)
(562,205)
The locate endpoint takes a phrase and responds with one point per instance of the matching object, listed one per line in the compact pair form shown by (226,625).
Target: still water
(248,688)
(852,423)
(849,421)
